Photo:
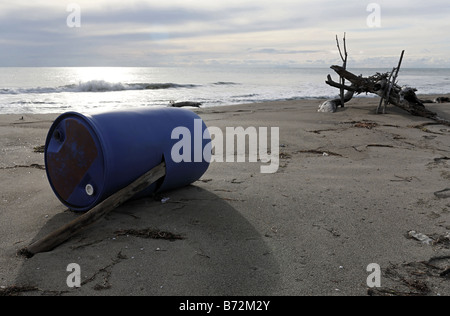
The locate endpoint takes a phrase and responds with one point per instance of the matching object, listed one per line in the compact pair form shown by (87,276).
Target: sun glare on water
(107,74)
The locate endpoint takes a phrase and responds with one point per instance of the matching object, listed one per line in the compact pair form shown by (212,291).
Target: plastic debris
(165,200)
(421,237)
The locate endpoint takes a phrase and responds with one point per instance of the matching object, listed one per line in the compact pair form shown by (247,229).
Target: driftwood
(382,84)
(442,100)
(378,84)
(61,235)
(438,100)
(404,98)
(185,104)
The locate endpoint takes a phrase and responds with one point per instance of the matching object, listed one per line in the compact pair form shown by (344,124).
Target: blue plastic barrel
(90,157)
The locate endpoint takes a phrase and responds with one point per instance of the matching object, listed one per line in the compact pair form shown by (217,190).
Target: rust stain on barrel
(69,166)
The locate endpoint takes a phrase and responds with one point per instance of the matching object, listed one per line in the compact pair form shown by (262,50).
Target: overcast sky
(223,32)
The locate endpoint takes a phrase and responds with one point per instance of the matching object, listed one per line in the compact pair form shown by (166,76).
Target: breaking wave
(98,86)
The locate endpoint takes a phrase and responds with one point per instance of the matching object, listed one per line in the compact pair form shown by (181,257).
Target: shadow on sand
(221,253)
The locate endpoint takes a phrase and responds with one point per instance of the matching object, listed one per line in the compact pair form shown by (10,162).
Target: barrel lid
(74,162)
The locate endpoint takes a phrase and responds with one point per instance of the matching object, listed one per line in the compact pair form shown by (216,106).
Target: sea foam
(97,86)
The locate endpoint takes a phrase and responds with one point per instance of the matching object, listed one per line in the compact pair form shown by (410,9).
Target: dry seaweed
(32,166)
(416,279)
(368,125)
(39,149)
(150,234)
(441,159)
(17,290)
(424,129)
(380,145)
(285,156)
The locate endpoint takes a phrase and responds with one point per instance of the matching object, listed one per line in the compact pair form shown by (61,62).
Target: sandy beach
(350,189)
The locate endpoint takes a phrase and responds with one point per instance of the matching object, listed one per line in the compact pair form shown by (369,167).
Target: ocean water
(57,90)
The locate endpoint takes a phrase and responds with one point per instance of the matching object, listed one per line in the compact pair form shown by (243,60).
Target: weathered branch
(339,85)
(343,73)
(59,236)
(344,60)
(386,96)
(392,81)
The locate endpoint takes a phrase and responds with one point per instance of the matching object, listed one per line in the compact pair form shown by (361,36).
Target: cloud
(282,51)
(172,32)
